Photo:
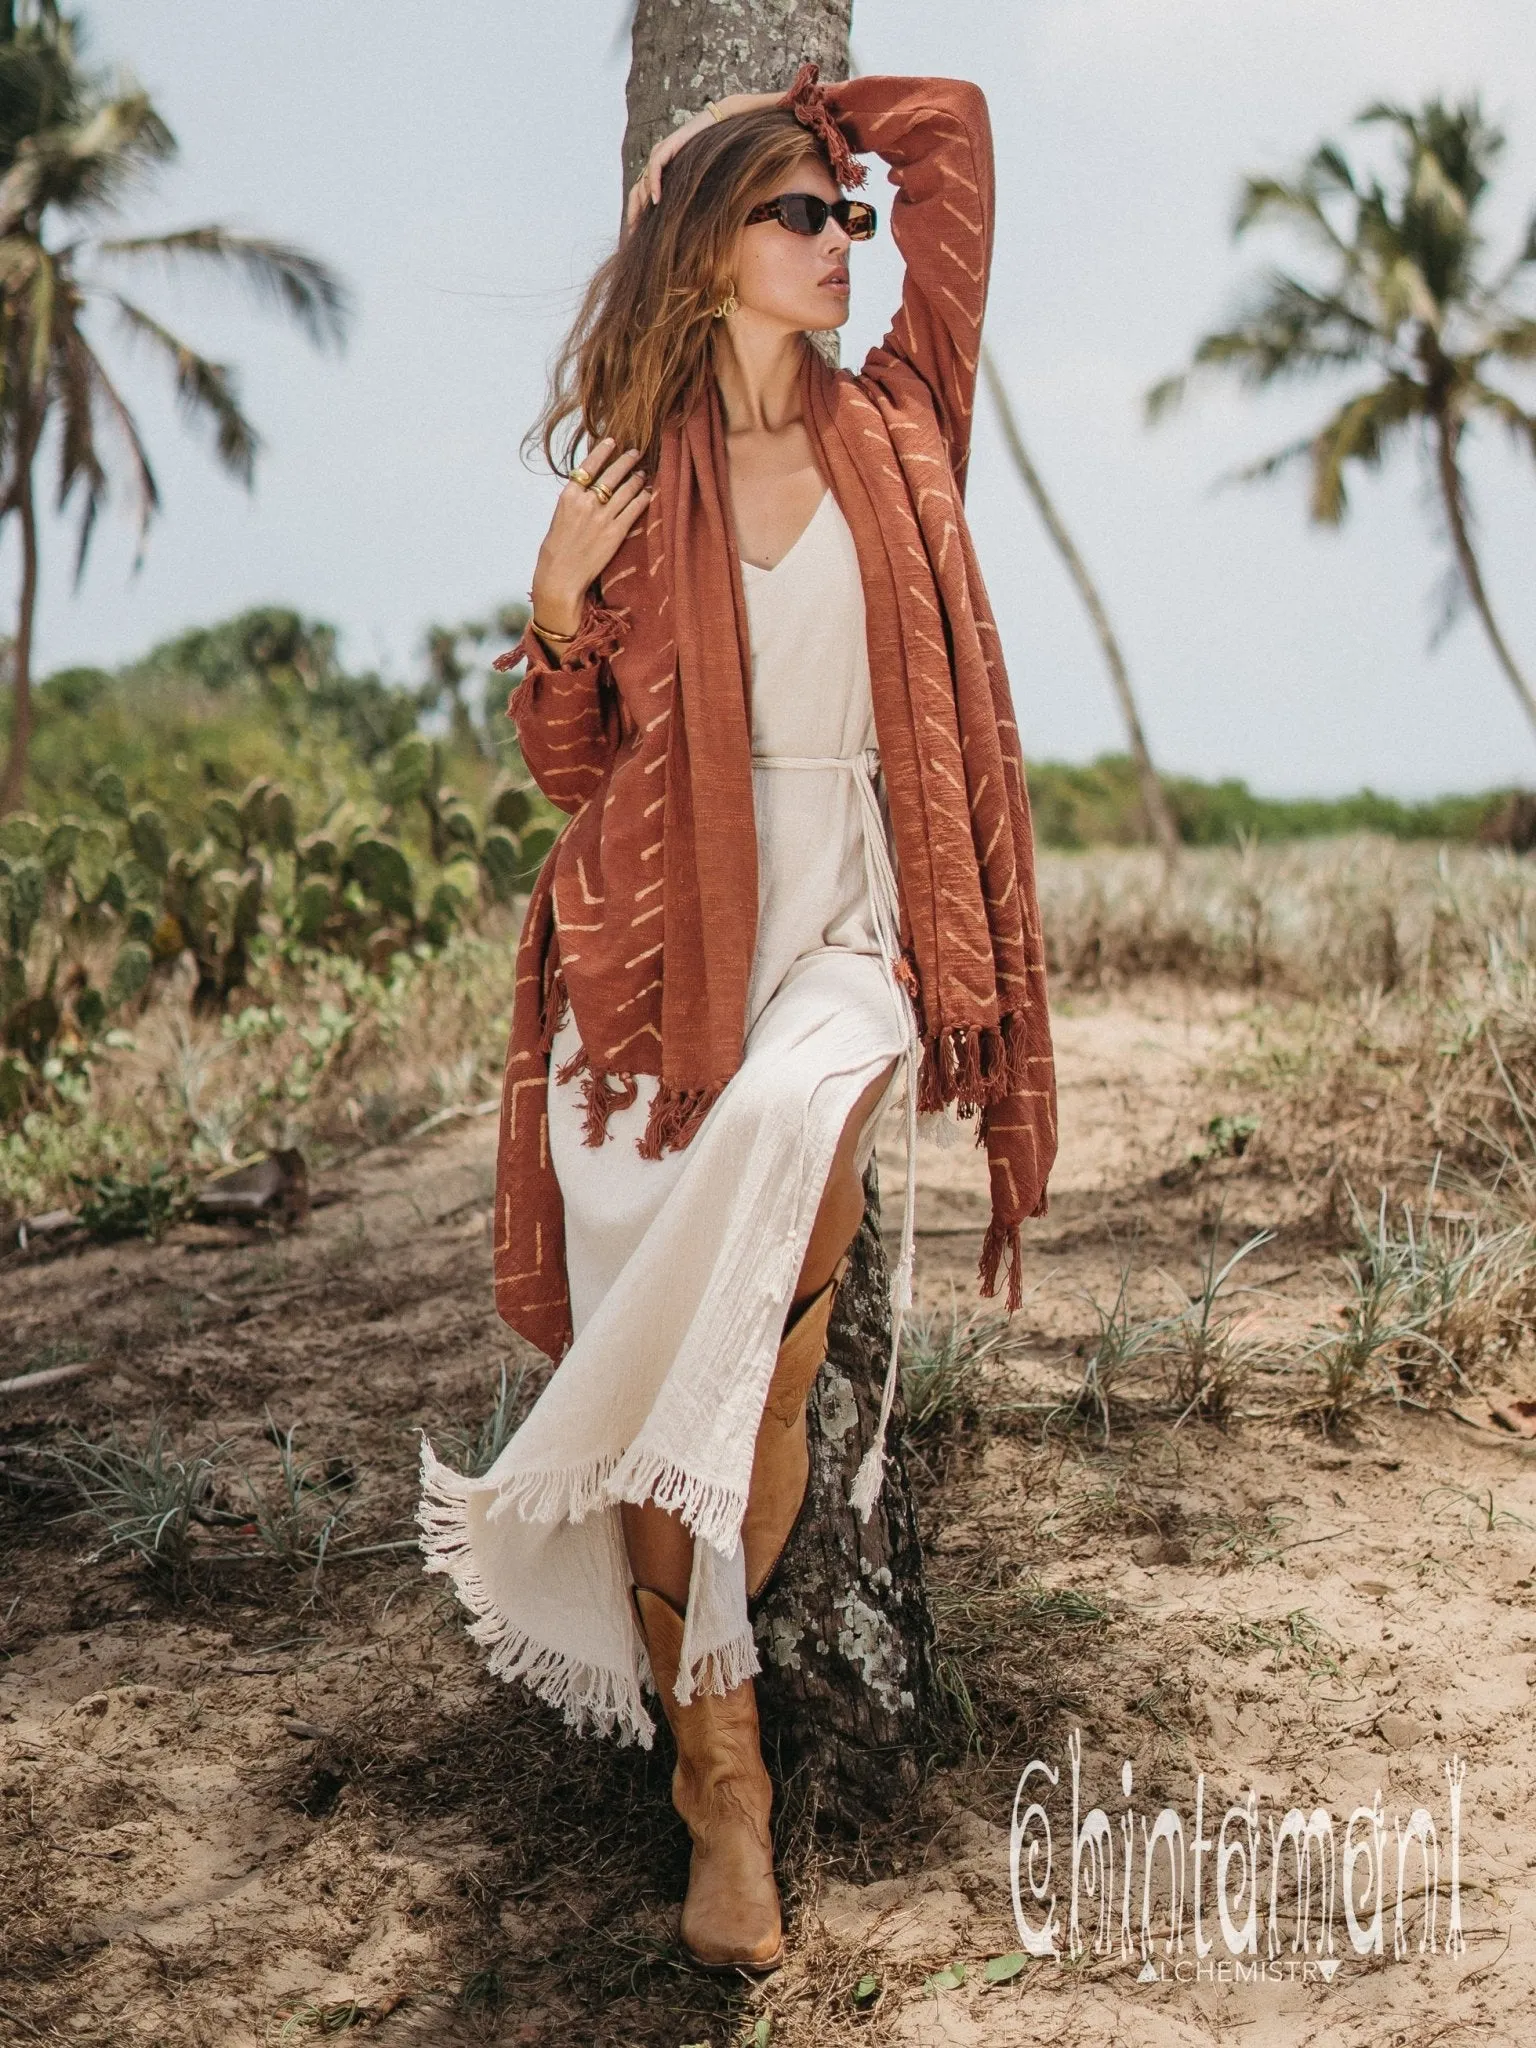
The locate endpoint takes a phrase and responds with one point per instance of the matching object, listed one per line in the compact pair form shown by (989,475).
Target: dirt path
(266,1808)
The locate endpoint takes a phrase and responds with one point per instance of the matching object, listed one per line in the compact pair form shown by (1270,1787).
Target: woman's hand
(646,190)
(584,534)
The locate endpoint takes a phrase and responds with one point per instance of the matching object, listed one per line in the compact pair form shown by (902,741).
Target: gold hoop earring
(728,304)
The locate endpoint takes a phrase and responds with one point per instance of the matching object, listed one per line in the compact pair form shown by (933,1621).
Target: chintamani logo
(1283,1880)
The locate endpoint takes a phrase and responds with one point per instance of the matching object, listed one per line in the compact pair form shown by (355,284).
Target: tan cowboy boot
(781,1464)
(720,1786)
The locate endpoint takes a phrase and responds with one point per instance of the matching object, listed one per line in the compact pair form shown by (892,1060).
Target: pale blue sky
(459,163)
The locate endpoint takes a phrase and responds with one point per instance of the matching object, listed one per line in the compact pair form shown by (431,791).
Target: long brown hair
(642,344)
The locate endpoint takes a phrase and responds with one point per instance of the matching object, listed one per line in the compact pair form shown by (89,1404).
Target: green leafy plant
(143,1498)
(115,1205)
(295,1524)
(1210,1355)
(941,1352)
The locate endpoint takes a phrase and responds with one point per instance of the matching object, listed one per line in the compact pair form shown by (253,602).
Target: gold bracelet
(544,632)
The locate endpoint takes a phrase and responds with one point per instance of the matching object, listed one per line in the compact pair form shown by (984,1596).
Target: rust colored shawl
(643,916)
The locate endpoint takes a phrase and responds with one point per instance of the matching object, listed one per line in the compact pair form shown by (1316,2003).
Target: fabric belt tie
(880,878)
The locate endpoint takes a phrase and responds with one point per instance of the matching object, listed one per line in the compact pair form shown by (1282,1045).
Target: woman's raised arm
(936,135)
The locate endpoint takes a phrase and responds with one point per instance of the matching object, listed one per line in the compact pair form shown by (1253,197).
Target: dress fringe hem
(711,1511)
(589,1698)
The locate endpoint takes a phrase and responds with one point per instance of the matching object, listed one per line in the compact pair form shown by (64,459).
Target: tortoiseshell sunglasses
(805,213)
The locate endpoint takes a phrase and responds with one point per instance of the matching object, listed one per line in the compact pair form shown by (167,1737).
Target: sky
(459,164)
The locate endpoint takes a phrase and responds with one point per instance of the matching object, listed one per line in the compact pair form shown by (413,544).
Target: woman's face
(799,280)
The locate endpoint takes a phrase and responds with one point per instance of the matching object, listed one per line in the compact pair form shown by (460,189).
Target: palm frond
(87,167)
(1360,431)
(299,284)
(1261,199)
(206,391)
(79,465)
(1289,330)
(1164,397)
(1267,466)
(84,388)
(1482,397)
(1449,600)
(146,490)
(1515,340)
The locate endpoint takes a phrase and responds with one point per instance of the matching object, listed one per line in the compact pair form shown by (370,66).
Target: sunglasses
(805,213)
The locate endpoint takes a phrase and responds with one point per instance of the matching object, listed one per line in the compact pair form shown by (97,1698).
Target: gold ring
(580,476)
(601,491)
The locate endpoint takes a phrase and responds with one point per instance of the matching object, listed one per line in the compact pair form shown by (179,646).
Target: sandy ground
(255,1808)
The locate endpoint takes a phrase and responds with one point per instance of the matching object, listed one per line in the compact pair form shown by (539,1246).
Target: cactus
(458,829)
(408,772)
(502,860)
(349,885)
(21,835)
(26,893)
(533,847)
(107,788)
(146,835)
(281,823)
(383,873)
(314,903)
(222,821)
(130,971)
(90,1007)
(318,854)
(509,807)
(91,869)
(60,846)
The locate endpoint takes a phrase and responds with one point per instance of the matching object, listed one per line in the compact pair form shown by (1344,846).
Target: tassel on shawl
(676,1114)
(999,1236)
(576,1064)
(806,100)
(973,1064)
(602,1101)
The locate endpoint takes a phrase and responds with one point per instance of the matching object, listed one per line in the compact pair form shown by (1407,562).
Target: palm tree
(71,150)
(1154,802)
(1407,295)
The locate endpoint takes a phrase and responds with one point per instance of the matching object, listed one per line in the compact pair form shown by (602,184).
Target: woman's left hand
(646,190)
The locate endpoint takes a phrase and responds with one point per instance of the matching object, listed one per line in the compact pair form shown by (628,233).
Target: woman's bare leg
(842,1201)
(660,1547)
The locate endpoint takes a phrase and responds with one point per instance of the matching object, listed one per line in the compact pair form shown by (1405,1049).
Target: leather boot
(720,1786)
(781,1466)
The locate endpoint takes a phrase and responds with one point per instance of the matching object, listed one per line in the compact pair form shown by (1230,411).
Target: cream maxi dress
(681,1269)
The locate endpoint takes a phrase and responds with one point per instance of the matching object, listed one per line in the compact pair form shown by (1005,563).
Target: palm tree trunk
(1159,819)
(854,1707)
(1453,496)
(13,785)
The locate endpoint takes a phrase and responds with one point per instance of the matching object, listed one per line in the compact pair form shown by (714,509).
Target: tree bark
(1454,499)
(13,785)
(848,1689)
(684,52)
(844,1630)
(1159,819)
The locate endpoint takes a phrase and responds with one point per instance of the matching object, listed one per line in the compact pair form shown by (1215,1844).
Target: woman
(764,680)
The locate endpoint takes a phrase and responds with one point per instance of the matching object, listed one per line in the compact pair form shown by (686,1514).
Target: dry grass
(1324,919)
